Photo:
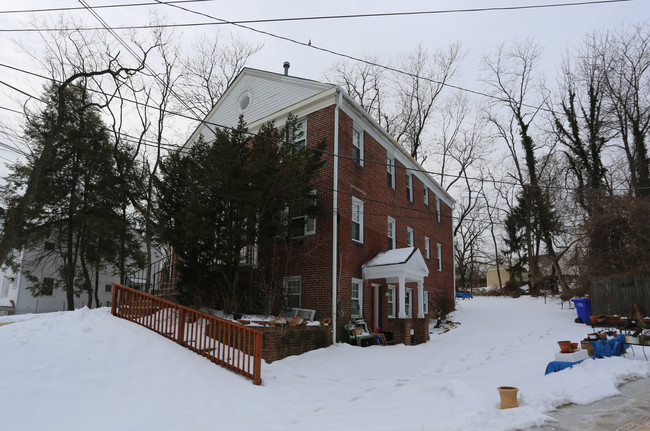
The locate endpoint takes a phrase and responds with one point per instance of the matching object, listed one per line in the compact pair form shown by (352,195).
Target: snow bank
(88,370)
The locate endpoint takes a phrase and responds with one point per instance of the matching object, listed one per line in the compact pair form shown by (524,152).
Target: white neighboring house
(14,286)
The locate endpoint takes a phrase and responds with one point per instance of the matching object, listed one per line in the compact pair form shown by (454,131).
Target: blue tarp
(559,365)
(609,347)
(464,295)
(602,349)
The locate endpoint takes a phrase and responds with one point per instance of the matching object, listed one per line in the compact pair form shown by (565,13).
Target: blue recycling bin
(583,307)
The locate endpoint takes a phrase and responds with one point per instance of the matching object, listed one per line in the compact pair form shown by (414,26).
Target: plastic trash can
(583,307)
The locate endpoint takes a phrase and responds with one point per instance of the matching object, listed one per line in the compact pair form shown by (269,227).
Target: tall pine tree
(77,208)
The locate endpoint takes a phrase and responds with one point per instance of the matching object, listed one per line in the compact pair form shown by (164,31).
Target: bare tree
(512,76)
(367,83)
(626,64)
(212,68)
(418,91)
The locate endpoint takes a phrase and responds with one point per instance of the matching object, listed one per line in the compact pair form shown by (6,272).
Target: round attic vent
(244,101)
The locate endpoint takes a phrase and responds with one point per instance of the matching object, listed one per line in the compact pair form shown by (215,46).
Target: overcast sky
(555,29)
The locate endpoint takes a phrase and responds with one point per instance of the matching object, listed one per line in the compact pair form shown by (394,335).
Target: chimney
(286,66)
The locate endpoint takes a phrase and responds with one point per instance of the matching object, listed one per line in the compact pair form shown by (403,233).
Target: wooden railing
(225,343)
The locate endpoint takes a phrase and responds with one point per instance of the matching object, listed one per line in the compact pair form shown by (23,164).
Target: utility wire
(351,57)
(326,153)
(305,18)
(136,56)
(426,214)
(116,5)
(221,21)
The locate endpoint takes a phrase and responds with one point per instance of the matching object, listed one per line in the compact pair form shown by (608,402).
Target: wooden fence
(614,295)
(225,343)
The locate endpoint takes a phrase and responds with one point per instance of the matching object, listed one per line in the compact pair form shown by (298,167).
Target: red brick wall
(313,258)
(281,341)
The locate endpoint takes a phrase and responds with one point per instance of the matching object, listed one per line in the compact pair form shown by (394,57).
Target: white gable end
(256,95)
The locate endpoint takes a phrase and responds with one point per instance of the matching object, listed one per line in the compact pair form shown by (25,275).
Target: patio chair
(357,335)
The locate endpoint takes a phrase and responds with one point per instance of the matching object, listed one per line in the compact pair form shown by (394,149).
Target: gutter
(335,205)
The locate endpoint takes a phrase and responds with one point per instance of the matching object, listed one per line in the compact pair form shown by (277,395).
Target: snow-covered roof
(393,264)
(6,302)
(391,257)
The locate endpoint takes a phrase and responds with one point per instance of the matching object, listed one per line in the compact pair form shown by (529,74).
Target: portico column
(402,298)
(420,299)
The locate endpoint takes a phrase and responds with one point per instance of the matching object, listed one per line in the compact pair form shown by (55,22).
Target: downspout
(453,251)
(335,204)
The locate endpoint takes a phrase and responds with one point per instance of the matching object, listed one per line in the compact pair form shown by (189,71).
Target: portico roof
(395,264)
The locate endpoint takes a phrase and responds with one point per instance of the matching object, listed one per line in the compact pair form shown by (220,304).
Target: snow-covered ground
(88,370)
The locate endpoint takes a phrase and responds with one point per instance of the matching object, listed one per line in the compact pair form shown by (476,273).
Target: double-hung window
(425,302)
(357,146)
(300,136)
(391,301)
(409,302)
(409,186)
(391,233)
(426,195)
(292,289)
(427,247)
(409,237)
(357,220)
(438,208)
(356,301)
(302,221)
(439,258)
(390,171)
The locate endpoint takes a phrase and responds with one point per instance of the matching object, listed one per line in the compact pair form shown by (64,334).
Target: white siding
(269,93)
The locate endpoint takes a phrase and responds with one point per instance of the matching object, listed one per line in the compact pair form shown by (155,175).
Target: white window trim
(391,301)
(360,298)
(408,301)
(306,218)
(439,258)
(358,130)
(438,208)
(425,302)
(390,167)
(301,126)
(409,186)
(286,281)
(426,195)
(391,232)
(410,237)
(427,247)
(358,202)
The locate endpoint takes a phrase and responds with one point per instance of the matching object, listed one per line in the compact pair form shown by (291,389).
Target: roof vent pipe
(286,66)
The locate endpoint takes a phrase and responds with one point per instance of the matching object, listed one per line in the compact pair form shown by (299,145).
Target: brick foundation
(282,341)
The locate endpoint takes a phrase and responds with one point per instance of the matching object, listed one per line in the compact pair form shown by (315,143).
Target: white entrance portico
(400,266)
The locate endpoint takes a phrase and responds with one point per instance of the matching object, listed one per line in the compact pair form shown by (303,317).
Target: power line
(117,5)
(280,141)
(426,214)
(293,19)
(351,57)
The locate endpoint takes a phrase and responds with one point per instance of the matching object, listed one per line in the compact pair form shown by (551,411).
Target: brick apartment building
(381,248)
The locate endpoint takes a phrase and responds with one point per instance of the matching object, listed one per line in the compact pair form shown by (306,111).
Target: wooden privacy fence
(231,345)
(614,295)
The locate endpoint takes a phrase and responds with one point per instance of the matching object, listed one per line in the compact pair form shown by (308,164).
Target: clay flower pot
(574,346)
(508,396)
(565,346)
